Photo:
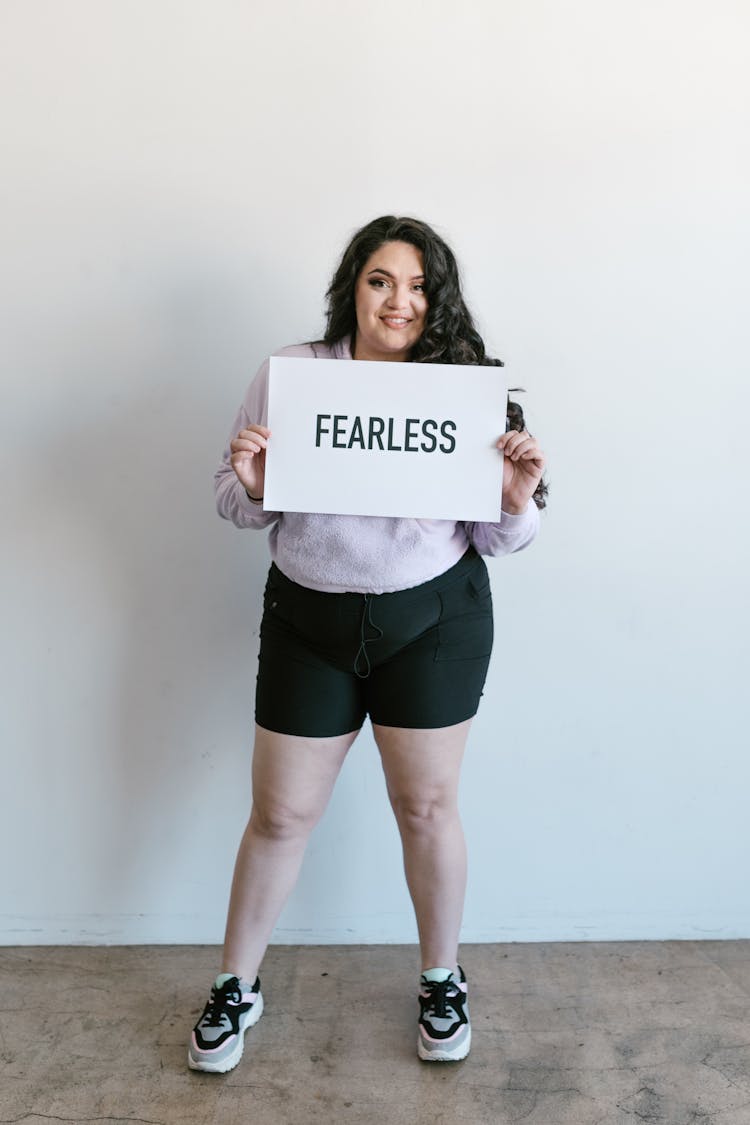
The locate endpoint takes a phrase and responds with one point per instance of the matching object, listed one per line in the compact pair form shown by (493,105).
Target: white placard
(357,437)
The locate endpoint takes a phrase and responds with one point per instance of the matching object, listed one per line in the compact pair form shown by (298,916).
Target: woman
(390,618)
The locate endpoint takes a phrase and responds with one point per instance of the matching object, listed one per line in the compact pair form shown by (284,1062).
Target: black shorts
(416,658)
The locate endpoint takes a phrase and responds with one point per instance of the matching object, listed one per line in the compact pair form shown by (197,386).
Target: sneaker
(444,1028)
(219,1035)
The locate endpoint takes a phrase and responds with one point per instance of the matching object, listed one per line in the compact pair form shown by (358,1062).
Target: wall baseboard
(144,929)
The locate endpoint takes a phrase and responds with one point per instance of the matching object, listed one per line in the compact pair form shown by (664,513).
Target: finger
(254,435)
(252,445)
(253,429)
(528,450)
(244,454)
(536,456)
(511,438)
(520,449)
(241,458)
(525,447)
(515,442)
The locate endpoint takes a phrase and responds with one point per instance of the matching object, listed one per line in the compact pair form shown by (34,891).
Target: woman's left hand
(523,465)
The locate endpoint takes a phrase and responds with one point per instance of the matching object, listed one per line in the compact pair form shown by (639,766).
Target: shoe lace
(440,993)
(220,997)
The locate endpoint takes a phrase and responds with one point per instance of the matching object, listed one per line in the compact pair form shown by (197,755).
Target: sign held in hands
(355,437)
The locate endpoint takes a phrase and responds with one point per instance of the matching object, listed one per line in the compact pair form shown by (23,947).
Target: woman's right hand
(248,458)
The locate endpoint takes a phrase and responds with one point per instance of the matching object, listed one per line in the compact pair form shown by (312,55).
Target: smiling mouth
(396,321)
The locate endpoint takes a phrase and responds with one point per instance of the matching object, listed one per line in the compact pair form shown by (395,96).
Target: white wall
(179,179)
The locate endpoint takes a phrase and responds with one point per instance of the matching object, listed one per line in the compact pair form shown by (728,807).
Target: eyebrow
(417,276)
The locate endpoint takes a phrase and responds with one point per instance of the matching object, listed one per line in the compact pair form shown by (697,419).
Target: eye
(418,287)
(377,282)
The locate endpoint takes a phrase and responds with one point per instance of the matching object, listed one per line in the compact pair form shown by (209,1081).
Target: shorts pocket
(466,626)
(278,602)
(271,594)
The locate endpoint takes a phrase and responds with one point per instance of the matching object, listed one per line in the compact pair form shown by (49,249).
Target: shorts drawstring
(362,652)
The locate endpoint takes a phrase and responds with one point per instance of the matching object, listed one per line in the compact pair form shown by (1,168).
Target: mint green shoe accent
(437,974)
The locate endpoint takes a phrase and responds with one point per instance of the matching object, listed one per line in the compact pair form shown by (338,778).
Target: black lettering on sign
(320,429)
(338,432)
(338,429)
(391,446)
(356,435)
(410,437)
(377,425)
(429,428)
(450,441)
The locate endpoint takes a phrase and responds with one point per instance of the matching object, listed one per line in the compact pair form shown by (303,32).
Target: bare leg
(422,772)
(292,781)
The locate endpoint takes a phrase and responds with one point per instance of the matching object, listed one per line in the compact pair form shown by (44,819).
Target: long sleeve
(232,502)
(512,533)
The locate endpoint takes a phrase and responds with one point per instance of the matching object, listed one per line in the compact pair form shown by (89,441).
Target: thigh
(422,767)
(293,777)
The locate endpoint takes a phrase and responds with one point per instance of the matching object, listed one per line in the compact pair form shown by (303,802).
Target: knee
(274,820)
(424,812)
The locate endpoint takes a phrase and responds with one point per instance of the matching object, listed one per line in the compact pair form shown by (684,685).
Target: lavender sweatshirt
(363,554)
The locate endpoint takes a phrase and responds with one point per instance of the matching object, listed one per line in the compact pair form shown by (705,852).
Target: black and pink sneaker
(218,1037)
(444,1028)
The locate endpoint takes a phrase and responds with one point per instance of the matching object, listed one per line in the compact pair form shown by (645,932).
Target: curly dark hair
(449,335)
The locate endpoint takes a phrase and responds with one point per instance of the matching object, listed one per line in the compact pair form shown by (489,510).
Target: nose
(398,297)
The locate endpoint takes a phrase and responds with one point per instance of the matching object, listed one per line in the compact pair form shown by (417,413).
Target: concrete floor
(564,1034)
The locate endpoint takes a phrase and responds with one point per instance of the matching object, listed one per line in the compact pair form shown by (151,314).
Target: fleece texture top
(360,554)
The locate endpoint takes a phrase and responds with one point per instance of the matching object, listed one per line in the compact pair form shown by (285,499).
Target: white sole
(230,1062)
(444,1054)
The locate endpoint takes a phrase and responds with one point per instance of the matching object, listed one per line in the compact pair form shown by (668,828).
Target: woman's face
(390,302)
